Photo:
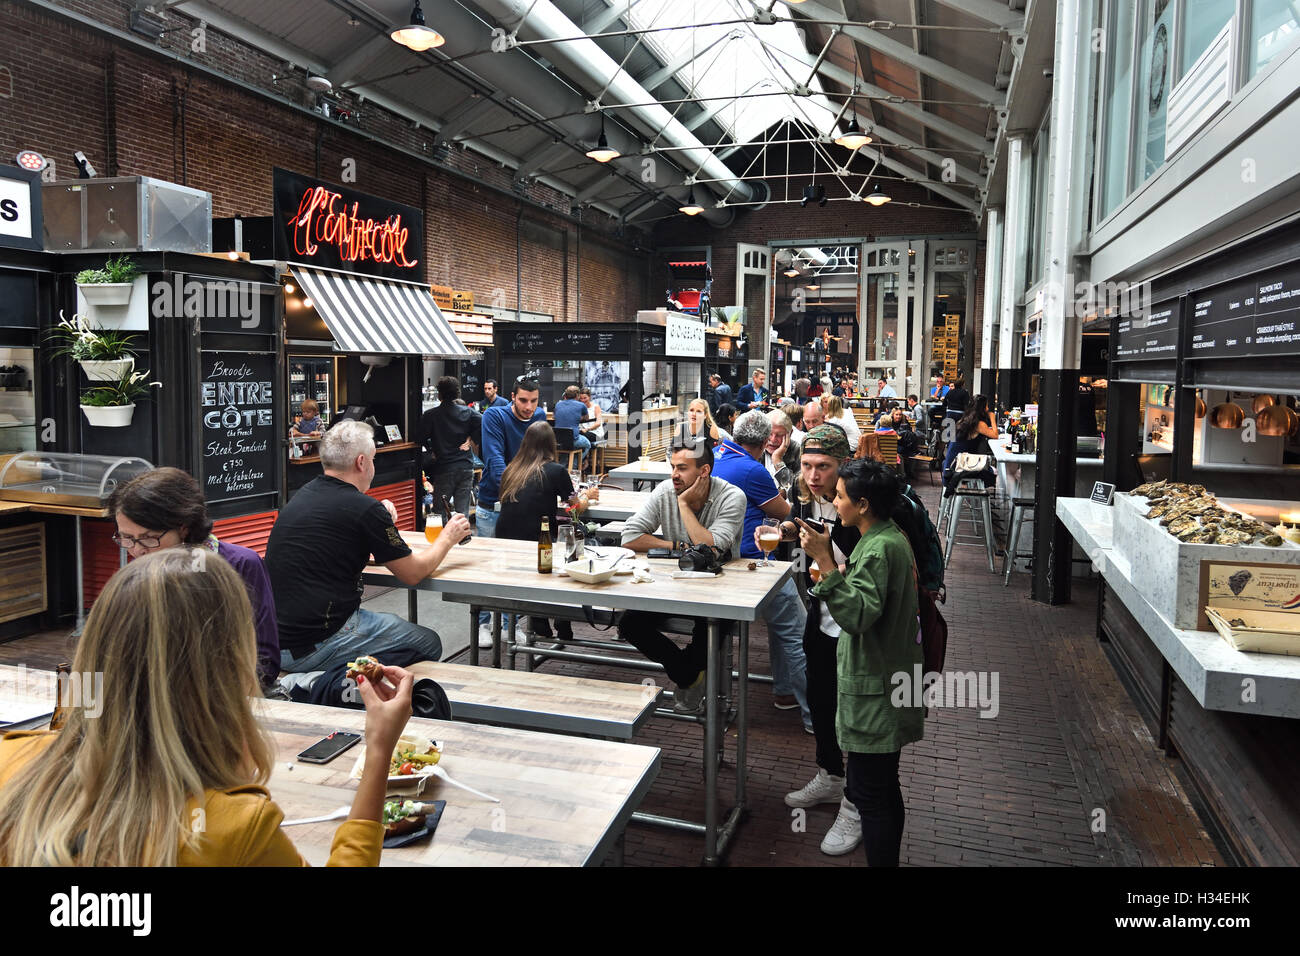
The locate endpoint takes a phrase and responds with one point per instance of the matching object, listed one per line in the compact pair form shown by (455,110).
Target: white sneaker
(845,833)
(823,788)
(485,635)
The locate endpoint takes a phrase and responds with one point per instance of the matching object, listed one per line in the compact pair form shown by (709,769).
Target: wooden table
(615,504)
(567,705)
(637,473)
(501,575)
(565,801)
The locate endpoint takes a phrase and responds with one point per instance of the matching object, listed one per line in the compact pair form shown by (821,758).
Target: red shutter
(251,531)
(402,495)
(100,555)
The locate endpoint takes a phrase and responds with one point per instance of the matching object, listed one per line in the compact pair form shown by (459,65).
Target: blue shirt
(735,466)
(503,433)
(568,412)
(721,395)
(498,402)
(748,396)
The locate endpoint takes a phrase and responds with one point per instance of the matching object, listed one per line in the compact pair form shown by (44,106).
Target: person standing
(446,432)
(874,601)
(569,413)
(956,401)
(753,394)
(503,433)
(491,396)
(721,393)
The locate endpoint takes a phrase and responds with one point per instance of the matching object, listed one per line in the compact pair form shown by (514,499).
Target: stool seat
(966,494)
(1018,508)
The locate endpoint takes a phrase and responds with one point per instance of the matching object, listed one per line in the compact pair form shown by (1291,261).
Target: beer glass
(769,539)
(432,527)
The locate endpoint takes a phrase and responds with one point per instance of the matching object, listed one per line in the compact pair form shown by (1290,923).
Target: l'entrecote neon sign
(320,220)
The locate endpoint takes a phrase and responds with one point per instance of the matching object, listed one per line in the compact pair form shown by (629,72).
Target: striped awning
(375,316)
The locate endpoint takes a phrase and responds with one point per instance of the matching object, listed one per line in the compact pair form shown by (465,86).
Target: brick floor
(1066,773)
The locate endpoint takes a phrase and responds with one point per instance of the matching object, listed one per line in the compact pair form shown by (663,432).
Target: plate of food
(414,760)
(609,553)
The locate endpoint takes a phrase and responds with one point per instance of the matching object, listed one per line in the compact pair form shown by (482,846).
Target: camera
(702,557)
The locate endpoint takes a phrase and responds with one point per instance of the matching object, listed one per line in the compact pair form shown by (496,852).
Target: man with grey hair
(740,462)
(322,540)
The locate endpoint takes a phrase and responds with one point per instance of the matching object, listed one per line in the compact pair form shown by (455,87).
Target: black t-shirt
(318,548)
(957,400)
(444,429)
(521,519)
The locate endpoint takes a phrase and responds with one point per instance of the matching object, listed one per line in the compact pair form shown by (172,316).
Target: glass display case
(61,478)
(311,376)
(17,401)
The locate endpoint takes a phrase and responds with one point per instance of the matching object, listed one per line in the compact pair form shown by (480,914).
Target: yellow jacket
(242,824)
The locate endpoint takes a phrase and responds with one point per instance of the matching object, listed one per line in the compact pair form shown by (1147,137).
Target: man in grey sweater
(692,507)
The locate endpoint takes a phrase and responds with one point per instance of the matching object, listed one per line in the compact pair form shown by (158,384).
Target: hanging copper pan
(1227,415)
(1200,407)
(1260,403)
(1275,420)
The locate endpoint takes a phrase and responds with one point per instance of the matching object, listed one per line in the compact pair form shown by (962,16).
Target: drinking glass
(769,538)
(432,527)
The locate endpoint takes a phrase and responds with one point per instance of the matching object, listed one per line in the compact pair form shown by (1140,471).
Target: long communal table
(565,801)
(637,473)
(501,576)
(616,504)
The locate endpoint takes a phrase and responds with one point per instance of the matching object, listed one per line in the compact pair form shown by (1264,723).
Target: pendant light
(602,152)
(791,272)
(876,197)
(853,137)
(692,208)
(415,35)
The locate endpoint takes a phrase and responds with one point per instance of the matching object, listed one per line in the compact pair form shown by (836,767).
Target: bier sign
(237,419)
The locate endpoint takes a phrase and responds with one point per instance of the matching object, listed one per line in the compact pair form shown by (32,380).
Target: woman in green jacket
(874,601)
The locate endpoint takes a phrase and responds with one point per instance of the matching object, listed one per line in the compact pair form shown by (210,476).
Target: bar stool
(967,493)
(1018,508)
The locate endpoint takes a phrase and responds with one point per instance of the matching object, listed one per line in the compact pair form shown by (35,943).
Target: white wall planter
(110,370)
(106,293)
(109,416)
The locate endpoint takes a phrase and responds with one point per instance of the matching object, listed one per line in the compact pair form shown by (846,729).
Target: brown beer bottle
(544,548)
(62,688)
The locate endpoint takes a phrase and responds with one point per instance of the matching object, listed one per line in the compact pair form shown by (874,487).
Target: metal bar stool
(966,493)
(1018,508)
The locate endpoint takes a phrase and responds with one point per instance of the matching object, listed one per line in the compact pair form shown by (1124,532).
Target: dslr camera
(702,557)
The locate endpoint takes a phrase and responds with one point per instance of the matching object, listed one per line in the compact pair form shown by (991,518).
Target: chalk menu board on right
(1255,316)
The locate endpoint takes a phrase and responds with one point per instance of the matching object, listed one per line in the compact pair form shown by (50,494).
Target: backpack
(914,520)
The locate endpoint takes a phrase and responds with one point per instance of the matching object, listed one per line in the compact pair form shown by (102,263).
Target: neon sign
(324,217)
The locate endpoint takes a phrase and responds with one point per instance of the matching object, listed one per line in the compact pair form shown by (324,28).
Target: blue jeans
(583,442)
(786,616)
(485,526)
(367,632)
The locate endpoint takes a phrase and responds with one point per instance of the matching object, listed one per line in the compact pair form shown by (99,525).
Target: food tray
(1262,632)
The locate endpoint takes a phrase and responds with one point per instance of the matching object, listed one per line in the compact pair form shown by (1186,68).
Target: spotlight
(83,165)
(692,208)
(813,193)
(416,36)
(31,160)
(308,303)
(289,287)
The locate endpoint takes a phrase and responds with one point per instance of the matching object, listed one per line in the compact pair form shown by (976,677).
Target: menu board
(1149,337)
(569,342)
(1255,316)
(237,418)
(652,343)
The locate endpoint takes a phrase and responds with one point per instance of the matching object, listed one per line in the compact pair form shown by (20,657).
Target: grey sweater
(723,515)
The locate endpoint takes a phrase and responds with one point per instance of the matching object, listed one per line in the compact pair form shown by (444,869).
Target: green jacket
(875,603)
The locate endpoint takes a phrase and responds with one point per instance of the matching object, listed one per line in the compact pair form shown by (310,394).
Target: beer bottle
(544,549)
(62,688)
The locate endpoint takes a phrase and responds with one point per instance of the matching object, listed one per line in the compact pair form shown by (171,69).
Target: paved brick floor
(1065,774)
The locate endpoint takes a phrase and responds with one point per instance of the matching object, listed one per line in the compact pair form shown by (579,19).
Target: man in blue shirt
(721,393)
(503,432)
(491,396)
(940,390)
(740,462)
(753,394)
(569,411)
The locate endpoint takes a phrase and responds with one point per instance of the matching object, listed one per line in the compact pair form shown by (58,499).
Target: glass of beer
(815,572)
(769,538)
(432,527)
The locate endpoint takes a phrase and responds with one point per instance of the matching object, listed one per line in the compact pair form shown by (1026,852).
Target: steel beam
(989,11)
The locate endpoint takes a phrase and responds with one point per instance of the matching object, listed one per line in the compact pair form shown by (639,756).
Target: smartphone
(327,748)
(816,524)
(663,553)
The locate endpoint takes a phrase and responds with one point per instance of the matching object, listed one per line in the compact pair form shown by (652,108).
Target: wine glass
(564,540)
(769,538)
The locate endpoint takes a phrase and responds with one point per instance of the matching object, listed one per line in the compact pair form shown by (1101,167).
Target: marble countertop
(1005,457)
(1213,671)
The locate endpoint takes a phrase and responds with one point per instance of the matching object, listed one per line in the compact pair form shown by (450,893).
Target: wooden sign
(462,301)
(442,295)
(1249,585)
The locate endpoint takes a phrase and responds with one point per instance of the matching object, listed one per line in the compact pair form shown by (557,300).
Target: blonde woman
(699,424)
(172,770)
(837,414)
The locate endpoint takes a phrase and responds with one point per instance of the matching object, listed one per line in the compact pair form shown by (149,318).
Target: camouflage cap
(827,440)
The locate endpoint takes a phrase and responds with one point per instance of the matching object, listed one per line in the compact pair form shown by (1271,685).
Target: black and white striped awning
(376,316)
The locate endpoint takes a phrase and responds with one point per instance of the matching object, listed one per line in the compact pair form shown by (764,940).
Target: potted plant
(113,405)
(110,285)
(105,355)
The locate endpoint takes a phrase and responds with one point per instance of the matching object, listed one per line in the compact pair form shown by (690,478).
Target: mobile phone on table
(329,747)
(663,553)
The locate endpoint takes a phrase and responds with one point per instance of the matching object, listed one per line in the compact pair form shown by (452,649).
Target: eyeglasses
(147,541)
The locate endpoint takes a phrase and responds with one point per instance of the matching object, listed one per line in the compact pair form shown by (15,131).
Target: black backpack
(912,517)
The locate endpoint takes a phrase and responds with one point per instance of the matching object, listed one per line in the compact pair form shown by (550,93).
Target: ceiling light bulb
(289,287)
(601,152)
(692,208)
(415,35)
(876,197)
(232,255)
(307,303)
(853,137)
(791,273)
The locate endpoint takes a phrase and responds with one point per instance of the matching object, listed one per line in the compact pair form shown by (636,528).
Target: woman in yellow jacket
(172,771)
(874,601)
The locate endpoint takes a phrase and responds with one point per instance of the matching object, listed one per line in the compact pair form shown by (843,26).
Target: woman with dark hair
(165,508)
(724,418)
(972,434)
(957,401)
(875,604)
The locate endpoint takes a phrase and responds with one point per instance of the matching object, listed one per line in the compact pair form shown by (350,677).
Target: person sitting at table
(739,462)
(723,419)
(815,389)
(319,546)
(884,389)
(692,507)
(752,393)
(794,412)
(914,409)
(697,427)
(973,432)
(837,414)
(781,453)
(940,390)
(594,427)
(165,508)
(569,413)
(170,767)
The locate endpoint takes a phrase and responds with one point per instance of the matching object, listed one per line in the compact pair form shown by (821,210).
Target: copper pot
(1200,407)
(1260,403)
(1227,415)
(1275,420)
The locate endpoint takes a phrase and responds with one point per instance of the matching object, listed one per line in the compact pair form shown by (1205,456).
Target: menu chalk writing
(237,419)
(1255,316)
(1149,337)
(568,343)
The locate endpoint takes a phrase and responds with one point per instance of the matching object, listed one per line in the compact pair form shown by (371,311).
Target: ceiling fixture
(319,84)
(878,198)
(415,35)
(31,160)
(692,208)
(791,272)
(853,137)
(288,287)
(308,303)
(814,285)
(813,193)
(602,152)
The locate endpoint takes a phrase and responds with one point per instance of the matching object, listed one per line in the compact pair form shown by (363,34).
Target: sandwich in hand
(367,667)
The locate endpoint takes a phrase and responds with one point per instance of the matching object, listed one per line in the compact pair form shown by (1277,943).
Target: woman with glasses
(165,508)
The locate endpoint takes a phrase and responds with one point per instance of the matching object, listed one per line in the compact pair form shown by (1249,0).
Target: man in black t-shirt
(447,432)
(320,544)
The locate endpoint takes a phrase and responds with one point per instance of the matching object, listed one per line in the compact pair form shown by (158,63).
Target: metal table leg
(413,605)
(711,741)
(473,636)
(81,580)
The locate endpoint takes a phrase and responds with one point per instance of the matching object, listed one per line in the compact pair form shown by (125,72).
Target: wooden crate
(23,589)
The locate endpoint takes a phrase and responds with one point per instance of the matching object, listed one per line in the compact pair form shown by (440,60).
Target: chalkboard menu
(565,342)
(1255,316)
(237,418)
(652,344)
(1149,337)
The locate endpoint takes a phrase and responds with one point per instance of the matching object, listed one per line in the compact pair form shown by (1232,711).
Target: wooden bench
(538,701)
(926,462)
